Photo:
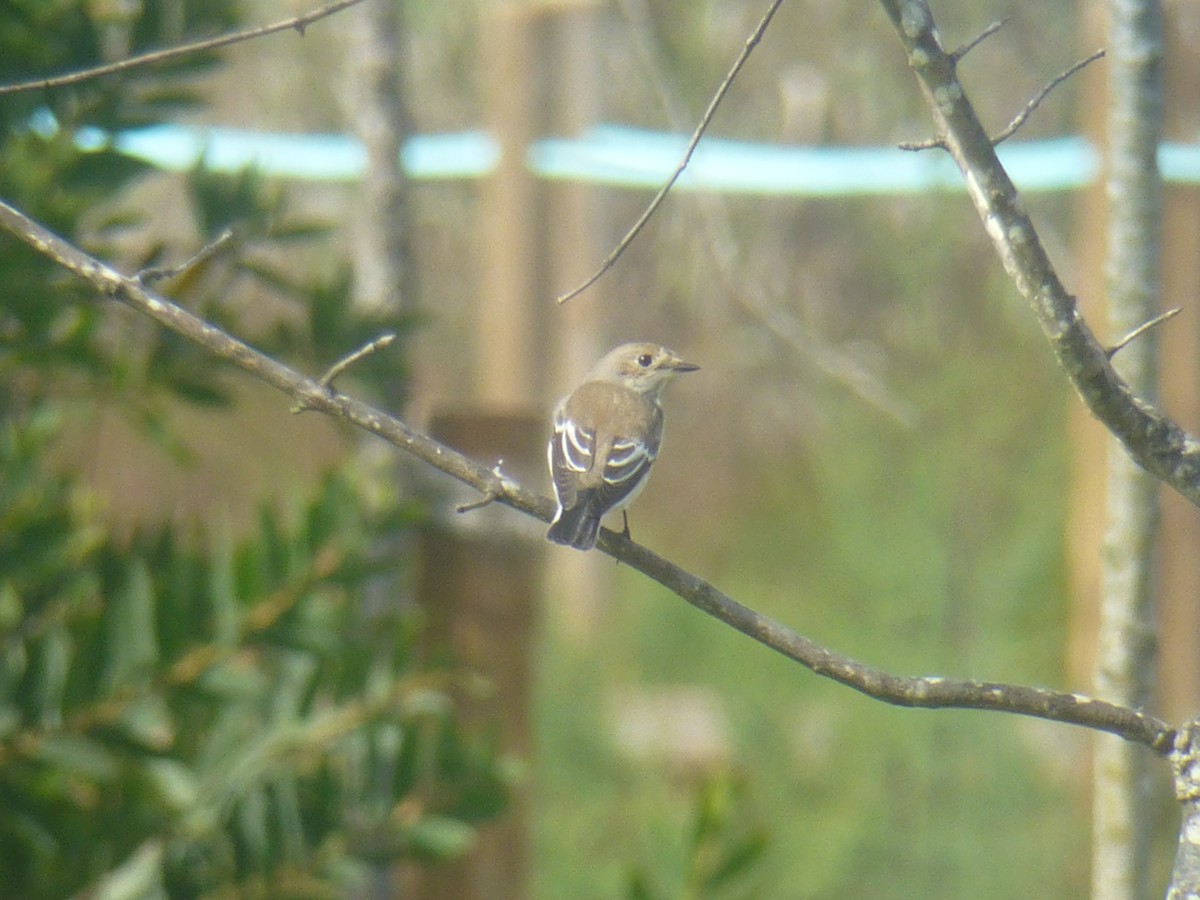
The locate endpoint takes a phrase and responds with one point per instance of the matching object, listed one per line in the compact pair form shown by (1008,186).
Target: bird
(607,433)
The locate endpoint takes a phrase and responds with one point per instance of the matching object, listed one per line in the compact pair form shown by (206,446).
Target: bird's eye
(644,360)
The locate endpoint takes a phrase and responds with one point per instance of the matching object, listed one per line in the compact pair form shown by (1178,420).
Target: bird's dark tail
(576,527)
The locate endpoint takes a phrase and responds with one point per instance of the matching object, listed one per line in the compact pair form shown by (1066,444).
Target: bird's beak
(676,364)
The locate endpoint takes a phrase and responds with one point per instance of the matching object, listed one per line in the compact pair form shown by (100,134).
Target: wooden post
(480,585)
(577,240)
(579,583)
(510,367)
(482,574)
(541,79)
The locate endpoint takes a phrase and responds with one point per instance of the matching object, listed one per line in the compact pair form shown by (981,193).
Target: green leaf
(132,644)
(232,681)
(138,877)
(640,887)
(224,611)
(738,860)
(439,837)
(42,692)
(174,783)
(286,804)
(10,606)
(147,724)
(252,830)
(76,756)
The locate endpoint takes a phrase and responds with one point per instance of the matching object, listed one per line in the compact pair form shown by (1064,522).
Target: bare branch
(493,493)
(1124,342)
(1012,127)
(751,43)
(299,23)
(162,273)
(930,693)
(1041,95)
(927,144)
(979,39)
(489,497)
(1151,438)
(940,143)
(384,340)
(1185,767)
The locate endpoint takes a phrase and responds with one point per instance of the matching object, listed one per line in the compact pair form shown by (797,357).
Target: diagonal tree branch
(926,692)
(1152,439)
(298,23)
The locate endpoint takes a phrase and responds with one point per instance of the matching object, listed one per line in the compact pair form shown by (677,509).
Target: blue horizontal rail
(633,158)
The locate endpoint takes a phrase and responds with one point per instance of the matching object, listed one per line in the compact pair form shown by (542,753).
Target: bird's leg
(625,531)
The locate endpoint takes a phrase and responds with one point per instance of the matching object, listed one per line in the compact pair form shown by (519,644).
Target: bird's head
(642,367)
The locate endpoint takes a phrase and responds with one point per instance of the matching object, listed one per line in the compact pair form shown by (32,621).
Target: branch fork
(500,486)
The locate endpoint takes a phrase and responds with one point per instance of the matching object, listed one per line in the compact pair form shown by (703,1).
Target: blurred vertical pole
(510,351)
(377,113)
(1179,642)
(540,61)
(1178,690)
(573,242)
(379,118)
(480,584)
(481,579)
(578,582)
(1128,617)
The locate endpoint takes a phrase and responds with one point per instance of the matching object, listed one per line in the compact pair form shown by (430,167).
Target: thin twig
(326,380)
(384,340)
(743,289)
(1124,342)
(493,492)
(900,690)
(1033,104)
(299,23)
(751,43)
(927,144)
(489,497)
(975,42)
(1022,116)
(161,273)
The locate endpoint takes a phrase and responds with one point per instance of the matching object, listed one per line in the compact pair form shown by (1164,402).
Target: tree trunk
(1126,654)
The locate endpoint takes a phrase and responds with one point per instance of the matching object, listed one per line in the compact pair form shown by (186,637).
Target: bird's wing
(627,460)
(596,459)
(572,452)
